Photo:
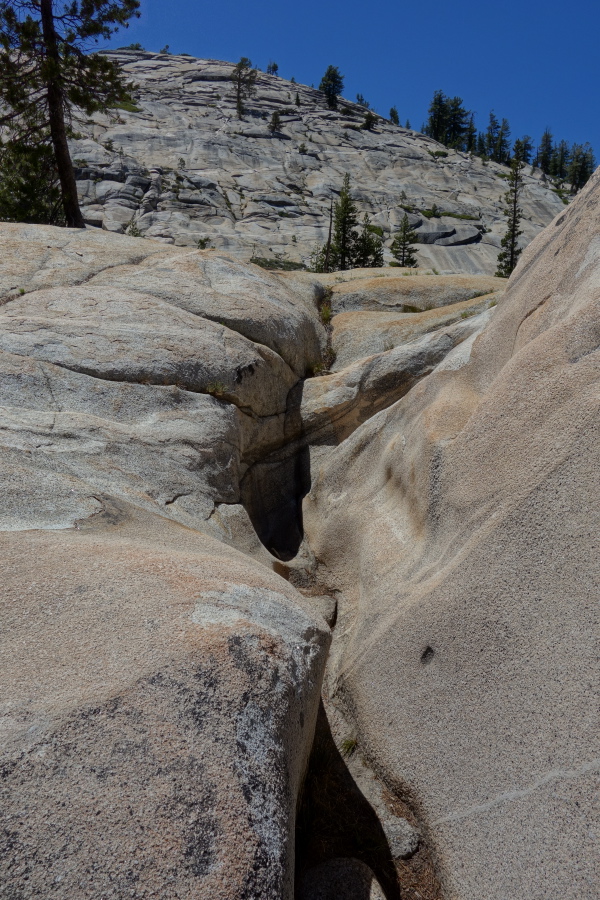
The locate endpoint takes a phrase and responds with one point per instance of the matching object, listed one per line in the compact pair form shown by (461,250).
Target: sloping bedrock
(460,526)
(361,333)
(410,292)
(207,284)
(159,697)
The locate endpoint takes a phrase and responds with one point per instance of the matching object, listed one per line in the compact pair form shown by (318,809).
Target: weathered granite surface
(183,168)
(460,527)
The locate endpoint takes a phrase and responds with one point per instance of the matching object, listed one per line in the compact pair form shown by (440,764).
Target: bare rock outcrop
(187,509)
(460,527)
(180,167)
(159,687)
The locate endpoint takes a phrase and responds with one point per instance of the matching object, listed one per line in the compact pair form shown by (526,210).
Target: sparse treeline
(352,245)
(450,123)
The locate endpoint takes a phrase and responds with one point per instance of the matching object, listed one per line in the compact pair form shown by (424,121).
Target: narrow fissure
(337,825)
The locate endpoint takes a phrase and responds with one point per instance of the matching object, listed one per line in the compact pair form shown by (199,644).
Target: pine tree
(394,117)
(523,149)
(275,123)
(368,249)
(491,135)
(29,183)
(45,73)
(332,85)
(297,99)
(272,68)
(362,102)
(471,136)
(501,152)
(509,255)
(560,160)
(369,121)
(244,83)
(345,221)
(436,122)
(407,125)
(457,123)
(402,245)
(545,151)
(581,166)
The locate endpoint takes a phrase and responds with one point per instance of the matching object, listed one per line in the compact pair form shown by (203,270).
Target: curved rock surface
(460,527)
(184,168)
(159,688)
(161,672)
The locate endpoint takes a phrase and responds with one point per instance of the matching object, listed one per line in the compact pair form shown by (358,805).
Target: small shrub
(109,145)
(465,216)
(468,313)
(128,106)
(181,162)
(133,230)
(303,149)
(325,313)
(348,747)
(437,154)
(204,244)
(284,265)
(216,388)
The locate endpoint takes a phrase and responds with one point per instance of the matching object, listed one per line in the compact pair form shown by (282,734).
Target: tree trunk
(328,250)
(58,131)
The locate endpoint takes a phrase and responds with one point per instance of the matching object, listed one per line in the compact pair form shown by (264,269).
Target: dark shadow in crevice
(272,492)
(336,820)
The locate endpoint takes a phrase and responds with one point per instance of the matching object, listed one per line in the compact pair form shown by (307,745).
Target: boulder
(460,527)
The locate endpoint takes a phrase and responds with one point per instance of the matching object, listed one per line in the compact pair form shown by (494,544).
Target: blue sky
(536,63)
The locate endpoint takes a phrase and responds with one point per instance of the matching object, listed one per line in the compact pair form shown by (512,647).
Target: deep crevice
(336,821)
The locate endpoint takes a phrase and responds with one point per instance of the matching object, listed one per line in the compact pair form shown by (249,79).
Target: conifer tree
(332,85)
(345,221)
(297,99)
(369,121)
(29,183)
(46,72)
(471,136)
(436,121)
(491,135)
(368,251)
(509,255)
(457,123)
(275,123)
(545,151)
(394,117)
(501,151)
(402,246)
(272,68)
(523,148)
(581,166)
(244,83)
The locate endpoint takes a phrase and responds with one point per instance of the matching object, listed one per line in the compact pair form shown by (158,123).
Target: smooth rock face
(160,693)
(460,526)
(184,168)
(159,687)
